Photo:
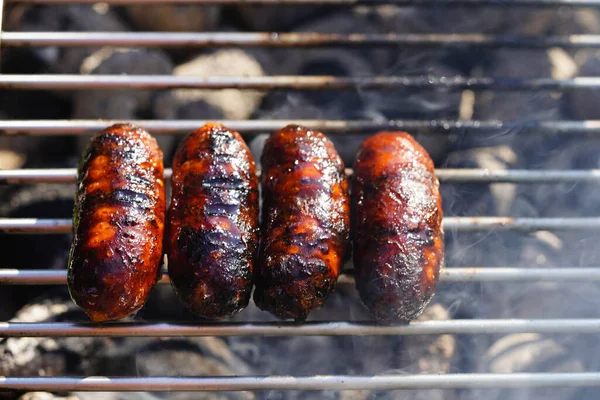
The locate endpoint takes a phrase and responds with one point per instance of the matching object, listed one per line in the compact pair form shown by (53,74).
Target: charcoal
(531,147)
(112,356)
(418,355)
(583,103)
(47,396)
(298,61)
(577,21)
(121,104)
(48,356)
(174,18)
(528,352)
(465,19)
(276,18)
(72,18)
(228,103)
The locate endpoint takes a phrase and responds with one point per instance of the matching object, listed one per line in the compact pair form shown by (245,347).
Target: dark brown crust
(118,223)
(305,225)
(212,234)
(398,237)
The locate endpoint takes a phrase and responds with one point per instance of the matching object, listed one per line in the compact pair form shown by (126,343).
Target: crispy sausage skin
(212,233)
(118,223)
(398,237)
(306,221)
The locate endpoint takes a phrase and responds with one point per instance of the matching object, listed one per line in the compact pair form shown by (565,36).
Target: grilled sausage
(213,222)
(306,220)
(118,223)
(398,237)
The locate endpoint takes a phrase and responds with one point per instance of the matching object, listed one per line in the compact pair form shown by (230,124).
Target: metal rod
(399,3)
(303,39)
(452,274)
(445,175)
(451,83)
(363,328)
(171,127)
(454,224)
(317,382)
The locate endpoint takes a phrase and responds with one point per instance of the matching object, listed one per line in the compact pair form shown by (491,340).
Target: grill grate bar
(171,127)
(445,175)
(468,224)
(452,274)
(317,382)
(308,39)
(295,82)
(366,328)
(400,3)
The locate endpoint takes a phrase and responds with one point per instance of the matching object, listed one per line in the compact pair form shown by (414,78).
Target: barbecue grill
(249,127)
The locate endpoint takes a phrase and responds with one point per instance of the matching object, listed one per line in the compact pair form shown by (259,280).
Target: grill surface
(450,274)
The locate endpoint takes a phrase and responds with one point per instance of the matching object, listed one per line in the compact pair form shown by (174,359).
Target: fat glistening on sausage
(398,237)
(118,223)
(212,233)
(305,224)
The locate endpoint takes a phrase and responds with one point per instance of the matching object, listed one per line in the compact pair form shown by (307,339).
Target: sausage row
(211,236)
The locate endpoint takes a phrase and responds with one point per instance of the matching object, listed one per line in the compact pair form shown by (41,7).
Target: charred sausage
(305,225)
(118,223)
(398,237)
(212,228)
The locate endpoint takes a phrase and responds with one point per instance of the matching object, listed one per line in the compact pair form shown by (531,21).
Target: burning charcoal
(174,18)
(227,103)
(120,104)
(528,352)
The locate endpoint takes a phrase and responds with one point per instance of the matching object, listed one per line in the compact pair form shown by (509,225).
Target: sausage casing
(118,223)
(305,225)
(398,237)
(212,233)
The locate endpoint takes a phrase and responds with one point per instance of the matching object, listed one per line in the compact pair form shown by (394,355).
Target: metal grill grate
(446,176)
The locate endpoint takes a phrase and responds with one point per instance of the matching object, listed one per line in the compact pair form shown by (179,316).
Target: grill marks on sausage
(398,238)
(118,223)
(305,222)
(213,222)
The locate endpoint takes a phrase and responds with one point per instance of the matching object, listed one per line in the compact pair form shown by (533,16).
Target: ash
(438,354)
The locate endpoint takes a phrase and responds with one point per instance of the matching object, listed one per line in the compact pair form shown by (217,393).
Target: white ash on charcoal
(528,352)
(47,396)
(227,103)
(31,356)
(174,18)
(113,356)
